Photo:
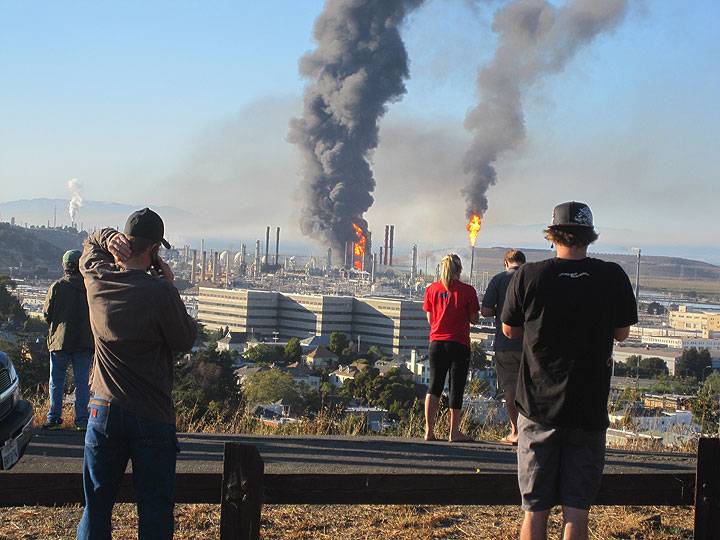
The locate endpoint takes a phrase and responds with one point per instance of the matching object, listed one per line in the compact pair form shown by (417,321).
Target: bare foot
(460,437)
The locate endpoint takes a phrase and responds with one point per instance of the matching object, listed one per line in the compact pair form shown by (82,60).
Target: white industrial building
(396,326)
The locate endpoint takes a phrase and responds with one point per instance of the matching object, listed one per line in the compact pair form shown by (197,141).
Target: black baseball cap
(572,214)
(146,224)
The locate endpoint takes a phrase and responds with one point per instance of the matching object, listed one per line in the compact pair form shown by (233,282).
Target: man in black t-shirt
(507,351)
(567,310)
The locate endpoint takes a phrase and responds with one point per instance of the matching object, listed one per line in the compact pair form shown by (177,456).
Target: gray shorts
(558,465)
(507,365)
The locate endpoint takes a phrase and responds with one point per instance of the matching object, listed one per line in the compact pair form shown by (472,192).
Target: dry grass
(201,522)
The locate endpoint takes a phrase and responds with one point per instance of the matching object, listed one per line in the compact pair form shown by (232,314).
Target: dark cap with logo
(572,214)
(146,224)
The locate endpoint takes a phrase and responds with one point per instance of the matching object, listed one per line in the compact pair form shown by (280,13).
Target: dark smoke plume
(535,38)
(359,66)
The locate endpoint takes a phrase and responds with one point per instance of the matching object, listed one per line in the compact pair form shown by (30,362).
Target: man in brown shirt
(139,323)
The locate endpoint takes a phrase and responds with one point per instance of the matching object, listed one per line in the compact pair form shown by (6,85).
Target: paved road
(61,451)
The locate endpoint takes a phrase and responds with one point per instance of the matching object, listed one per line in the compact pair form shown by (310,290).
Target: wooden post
(242,492)
(707,489)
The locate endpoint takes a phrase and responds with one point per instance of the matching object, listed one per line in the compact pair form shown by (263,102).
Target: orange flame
(358,248)
(473,228)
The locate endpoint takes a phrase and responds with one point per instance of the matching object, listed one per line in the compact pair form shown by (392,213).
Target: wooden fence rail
(243,488)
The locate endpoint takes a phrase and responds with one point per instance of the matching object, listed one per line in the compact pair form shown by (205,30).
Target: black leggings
(453,357)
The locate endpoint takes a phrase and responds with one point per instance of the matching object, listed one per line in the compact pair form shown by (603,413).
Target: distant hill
(92,214)
(673,273)
(35,251)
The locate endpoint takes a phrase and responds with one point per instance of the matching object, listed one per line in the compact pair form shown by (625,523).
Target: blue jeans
(113,437)
(81,362)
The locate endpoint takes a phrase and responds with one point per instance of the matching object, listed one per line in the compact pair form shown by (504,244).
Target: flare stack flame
(358,248)
(473,228)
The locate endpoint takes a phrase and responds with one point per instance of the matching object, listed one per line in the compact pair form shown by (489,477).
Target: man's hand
(512,332)
(120,248)
(165,271)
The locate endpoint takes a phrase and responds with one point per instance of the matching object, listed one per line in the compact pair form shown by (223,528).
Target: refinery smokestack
(391,247)
(227,269)
(345,260)
(413,270)
(257,258)
(243,254)
(277,247)
(329,259)
(267,246)
(216,269)
(193,268)
(373,268)
(203,262)
(387,240)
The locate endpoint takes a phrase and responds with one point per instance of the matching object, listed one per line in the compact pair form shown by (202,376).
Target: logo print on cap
(584,216)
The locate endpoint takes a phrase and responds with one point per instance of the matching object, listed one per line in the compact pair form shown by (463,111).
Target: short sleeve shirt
(450,311)
(494,298)
(569,310)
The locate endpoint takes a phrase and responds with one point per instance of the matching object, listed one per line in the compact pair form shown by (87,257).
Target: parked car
(16,415)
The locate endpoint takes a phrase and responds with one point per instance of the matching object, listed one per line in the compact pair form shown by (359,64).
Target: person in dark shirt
(70,341)
(451,307)
(139,323)
(507,351)
(568,310)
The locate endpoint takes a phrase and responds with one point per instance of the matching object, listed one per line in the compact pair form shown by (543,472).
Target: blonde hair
(450,268)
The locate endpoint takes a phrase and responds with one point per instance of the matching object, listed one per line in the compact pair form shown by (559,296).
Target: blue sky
(187,104)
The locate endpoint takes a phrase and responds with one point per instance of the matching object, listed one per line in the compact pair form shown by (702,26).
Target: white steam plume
(76,201)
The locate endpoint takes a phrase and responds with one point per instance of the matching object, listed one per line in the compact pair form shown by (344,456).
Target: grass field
(680,285)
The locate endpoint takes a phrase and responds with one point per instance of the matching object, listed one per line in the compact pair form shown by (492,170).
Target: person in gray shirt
(507,351)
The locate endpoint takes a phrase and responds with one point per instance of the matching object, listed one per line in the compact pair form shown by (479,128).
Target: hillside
(671,273)
(35,251)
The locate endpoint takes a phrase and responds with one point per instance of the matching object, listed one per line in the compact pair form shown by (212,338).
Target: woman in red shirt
(452,306)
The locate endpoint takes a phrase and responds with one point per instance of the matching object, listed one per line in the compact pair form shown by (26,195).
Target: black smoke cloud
(535,39)
(357,69)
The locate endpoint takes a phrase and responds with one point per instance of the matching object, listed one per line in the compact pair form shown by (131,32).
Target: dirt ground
(202,521)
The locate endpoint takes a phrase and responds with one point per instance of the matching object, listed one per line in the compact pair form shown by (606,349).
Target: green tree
(293,351)
(338,342)
(706,409)
(693,363)
(270,386)
(10,309)
(264,354)
(205,379)
(675,385)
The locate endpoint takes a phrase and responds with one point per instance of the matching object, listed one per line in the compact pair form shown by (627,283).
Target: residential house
(320,358)
(342,374)
(232,342)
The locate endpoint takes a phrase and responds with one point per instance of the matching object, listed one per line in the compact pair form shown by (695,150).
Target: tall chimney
(267,246)
(243,254)
(216,269)
(387,237)
(257,258)
(227,269)
(345,261)
(373,268)
(203,263)
(193,268)
(472,263)
(329,259)
(392,243)
(277,246)
(413,270)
